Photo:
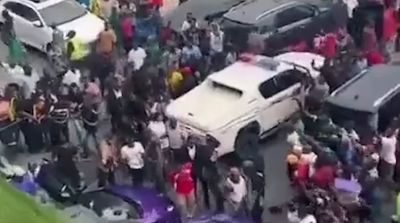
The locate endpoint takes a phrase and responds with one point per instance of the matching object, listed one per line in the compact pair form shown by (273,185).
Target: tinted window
(269,88)
(22,11)
(108,206)
(293,15)
(289,78)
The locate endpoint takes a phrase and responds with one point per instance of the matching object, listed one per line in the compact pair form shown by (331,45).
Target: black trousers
(204,187)
(137,176)
(59,133)
(105,177)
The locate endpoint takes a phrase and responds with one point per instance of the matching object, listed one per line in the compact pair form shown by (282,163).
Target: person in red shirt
(166,33)
(324,176)
(375,57)
(185,189)
(389,27)
(128,29)
(303,171)
(330,46)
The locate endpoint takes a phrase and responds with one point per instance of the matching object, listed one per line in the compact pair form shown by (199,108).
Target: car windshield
(62,12)
(109,206)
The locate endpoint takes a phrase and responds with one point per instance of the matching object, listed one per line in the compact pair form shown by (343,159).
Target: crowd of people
(139,64)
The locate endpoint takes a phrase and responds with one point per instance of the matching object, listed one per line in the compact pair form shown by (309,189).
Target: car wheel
(246,142)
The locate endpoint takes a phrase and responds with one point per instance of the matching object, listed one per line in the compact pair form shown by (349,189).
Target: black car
(281,23)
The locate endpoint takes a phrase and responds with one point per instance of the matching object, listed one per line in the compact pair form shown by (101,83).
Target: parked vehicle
(281,23)
(33,21)
(245,101)
(56,184)
(371,110)
(122,202)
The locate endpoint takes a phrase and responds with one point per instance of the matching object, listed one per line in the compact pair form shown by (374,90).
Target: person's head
(370,23)
(189,16)
(173,123)
(40,102)
(297,150)
(189,44)
(215,28)
(71,34)
(191,140)
(158,117)
(234,174)
(130,141)
(193,22)
(74,88)
(27,70)
(106,25)
(5,14)
(390,132)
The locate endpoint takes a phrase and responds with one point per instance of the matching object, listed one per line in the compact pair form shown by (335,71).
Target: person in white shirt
(72,76)
(187,23)
(388,155)
(158,128)
(132,153)
(26,74)
(176,141)
(237,189)
(216,39)
(136,56)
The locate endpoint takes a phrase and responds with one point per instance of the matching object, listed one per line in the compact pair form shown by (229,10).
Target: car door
(293,24)
(290,83)
(28,26)
(271,106)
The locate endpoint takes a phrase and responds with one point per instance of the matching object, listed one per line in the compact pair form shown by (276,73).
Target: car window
(222,88)
(22,10)
(109,206)
(289,78)
(62,12)
(269,88)
(293,15)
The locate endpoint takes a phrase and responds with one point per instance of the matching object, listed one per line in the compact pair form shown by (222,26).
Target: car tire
(246,142)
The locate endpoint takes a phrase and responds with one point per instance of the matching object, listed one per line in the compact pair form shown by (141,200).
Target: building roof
(368,90)
(247,76)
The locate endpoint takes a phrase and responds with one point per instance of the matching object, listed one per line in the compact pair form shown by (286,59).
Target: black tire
(246,143)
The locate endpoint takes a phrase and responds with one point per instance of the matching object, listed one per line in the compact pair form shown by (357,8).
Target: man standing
(106,41)
(114,102)
(388,155)
(76,49)
(132,153)
(176,141)
(108,161)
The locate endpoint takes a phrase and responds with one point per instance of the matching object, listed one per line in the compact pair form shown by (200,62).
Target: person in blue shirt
(191,54)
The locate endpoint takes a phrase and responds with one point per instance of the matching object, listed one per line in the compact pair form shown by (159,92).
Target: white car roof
(39,4)
(246,76)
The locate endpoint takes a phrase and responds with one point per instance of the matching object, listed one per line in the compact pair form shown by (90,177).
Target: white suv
(246,100)
(33,20)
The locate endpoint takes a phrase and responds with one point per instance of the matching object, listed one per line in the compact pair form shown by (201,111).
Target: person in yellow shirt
(175,80)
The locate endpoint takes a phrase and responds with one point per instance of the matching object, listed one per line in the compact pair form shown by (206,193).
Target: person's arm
(70,49)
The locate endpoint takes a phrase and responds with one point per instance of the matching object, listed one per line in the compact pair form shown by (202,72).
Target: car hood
(205,110)
(155,205)
(87,27)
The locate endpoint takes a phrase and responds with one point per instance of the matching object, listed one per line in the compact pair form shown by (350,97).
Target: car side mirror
(37,23)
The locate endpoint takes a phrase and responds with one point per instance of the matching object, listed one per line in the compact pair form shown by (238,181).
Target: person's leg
(181,201)
(111,177)
(191,204)
(101,178)
(206,197)
(85,140)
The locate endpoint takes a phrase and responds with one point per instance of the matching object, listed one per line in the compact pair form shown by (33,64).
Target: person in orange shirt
(106,40)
